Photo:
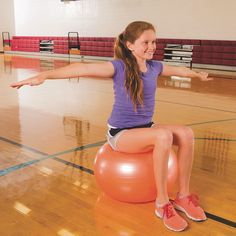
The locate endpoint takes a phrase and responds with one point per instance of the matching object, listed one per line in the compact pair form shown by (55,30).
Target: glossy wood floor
(49,136)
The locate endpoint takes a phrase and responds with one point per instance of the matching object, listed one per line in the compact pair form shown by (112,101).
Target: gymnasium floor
(49,136)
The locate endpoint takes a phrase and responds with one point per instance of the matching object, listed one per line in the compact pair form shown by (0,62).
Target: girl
(130,124)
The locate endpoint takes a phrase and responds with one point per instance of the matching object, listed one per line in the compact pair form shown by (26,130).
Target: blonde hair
(133,82)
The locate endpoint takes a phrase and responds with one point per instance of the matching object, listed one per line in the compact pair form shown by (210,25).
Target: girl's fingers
(14,85)
(20,84)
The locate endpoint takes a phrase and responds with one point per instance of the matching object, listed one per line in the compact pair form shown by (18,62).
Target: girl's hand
(203,76)
(33,81)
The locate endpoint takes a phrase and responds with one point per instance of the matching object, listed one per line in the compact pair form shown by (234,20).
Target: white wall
(7,22)
(198,19)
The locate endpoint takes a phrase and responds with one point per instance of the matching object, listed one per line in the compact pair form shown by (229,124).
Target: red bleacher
(102,47)
(217,52)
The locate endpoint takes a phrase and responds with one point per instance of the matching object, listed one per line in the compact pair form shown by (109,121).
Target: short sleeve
(119,68)
(156,66)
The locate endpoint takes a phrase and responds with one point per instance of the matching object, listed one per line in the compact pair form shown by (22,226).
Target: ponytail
(133,81)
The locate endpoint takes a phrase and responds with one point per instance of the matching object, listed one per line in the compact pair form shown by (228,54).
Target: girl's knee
(163,136)
(187,134)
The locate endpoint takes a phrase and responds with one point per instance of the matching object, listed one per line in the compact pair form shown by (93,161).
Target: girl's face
(144,47)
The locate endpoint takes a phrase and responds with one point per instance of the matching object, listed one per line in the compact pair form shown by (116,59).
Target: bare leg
(184,139)
(160,141)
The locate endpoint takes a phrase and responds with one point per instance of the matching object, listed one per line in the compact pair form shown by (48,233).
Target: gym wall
(201,19)
(7,19)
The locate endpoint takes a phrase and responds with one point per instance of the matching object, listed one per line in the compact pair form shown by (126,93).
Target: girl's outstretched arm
(184,72)
(102,70)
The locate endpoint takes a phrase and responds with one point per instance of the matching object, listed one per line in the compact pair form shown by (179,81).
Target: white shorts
(112,140)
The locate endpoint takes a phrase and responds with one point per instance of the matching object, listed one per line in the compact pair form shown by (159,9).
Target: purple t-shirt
(123,114)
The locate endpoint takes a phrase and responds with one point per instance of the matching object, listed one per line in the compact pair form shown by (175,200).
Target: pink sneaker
(171,218)
(190,206)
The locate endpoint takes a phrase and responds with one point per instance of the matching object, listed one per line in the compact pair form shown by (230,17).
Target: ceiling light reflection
(22,208)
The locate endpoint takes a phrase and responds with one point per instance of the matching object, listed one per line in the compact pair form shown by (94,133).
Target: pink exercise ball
(129,177)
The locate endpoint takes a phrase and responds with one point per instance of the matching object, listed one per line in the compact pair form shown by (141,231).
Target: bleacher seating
(25,44)
(213,52)
(101,47)
(60,45)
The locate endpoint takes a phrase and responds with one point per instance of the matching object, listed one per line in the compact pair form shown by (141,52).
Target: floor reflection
(220,85)
(215,152)
(116,218)
(61,115)
(33,63)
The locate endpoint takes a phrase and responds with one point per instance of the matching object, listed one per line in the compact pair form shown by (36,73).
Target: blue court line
(28,163)
(22,165)
(22,146)
(87,170)
(54,157)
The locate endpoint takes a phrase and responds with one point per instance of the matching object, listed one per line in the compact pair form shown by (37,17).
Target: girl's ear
(129,45)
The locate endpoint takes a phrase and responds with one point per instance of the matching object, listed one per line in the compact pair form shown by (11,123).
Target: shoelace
(168,210)
(193,198)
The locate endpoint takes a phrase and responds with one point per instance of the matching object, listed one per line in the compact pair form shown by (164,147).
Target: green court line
(22,146)
(189,105)
(54,157)
(46,156)
(209,122)
(28,163)
(217,139)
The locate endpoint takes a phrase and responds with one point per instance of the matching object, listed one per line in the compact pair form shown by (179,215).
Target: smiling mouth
(150,53)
